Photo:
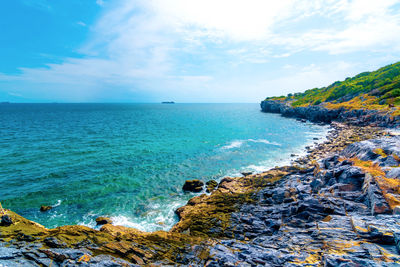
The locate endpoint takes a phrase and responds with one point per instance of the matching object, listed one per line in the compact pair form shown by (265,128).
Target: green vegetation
(379,89)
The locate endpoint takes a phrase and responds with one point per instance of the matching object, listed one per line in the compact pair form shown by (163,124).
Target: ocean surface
(129,161)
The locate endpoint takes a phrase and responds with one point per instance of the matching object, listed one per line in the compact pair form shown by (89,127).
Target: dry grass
(364,101)
(380,152)
(390,187)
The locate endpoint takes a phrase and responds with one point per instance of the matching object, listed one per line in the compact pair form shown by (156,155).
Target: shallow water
(129,161)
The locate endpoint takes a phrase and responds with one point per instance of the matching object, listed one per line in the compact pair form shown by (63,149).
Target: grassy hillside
(379,89)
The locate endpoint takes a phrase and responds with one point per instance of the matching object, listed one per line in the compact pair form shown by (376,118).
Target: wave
(58,203)
(264,141)
(239,143)
(233,144)
(161,216)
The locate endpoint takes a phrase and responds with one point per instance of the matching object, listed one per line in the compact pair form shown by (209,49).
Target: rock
(45,208)
(316,185)
(321,114)
(6,220)
(351,175)
(193,186)
(54,242)
(211,185)
(246,173)
(394,173)
(103,220)
(389,161)
(396,210)
(24,237)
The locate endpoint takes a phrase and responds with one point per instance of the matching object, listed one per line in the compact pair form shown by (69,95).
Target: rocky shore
(337,206)
(319,113)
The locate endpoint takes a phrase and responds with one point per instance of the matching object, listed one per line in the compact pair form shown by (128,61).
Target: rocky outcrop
(6,220)
(211,185)
(333,213)
(45,208)
(193,186)
(103,220)
(319,113)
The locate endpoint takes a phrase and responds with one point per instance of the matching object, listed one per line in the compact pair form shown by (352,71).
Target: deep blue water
(129,161)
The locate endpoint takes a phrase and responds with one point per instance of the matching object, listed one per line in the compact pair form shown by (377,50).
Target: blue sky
(188,50)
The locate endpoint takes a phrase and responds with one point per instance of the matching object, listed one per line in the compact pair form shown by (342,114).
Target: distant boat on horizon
(168,102)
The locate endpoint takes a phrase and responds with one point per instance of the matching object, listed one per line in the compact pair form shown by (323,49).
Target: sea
(129,161)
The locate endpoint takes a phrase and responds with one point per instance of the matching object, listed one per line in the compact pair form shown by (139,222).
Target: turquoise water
(129,161)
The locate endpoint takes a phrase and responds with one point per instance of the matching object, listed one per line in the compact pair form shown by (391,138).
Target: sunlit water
(129,161)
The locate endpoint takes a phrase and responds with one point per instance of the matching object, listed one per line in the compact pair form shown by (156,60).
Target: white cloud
(188,46)
(100,2)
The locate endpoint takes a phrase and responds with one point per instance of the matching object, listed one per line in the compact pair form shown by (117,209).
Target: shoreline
(204,222)
(287,160)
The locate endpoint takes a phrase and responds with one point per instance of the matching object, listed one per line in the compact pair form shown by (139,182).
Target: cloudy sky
(188,50)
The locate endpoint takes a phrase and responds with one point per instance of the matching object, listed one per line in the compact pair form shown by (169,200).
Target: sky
(188,50)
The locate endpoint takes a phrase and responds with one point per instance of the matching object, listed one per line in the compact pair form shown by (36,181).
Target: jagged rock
(54,242)
(396,210)
(316,185)
(211,185)
(323,115)
(103,220)
(6,220)
(45,208)
(351,175)
(393,173)
(193,186)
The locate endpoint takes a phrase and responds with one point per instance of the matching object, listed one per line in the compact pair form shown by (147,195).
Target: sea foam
(239,143)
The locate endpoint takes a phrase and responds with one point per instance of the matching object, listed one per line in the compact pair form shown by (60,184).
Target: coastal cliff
(369,98)
(325,115)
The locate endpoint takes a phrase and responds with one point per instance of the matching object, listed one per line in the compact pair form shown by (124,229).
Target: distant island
(168,102)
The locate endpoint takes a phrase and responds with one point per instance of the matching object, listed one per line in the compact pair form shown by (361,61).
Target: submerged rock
(193,186)
(103,220)
(45,208)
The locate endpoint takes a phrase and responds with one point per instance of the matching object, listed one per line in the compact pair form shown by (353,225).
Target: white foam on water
(239,143)
(88,220)
(394,131)
(125,221)
(161,217)
(264,141)
(58,203)
(233,144)
(285,159)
